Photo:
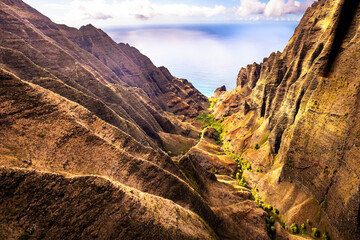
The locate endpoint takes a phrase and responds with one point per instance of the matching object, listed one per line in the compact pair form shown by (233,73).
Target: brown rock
(312,121)
(219,91)
(49,206)
(93,114)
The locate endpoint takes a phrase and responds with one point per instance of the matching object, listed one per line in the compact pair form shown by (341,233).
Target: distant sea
(209,56)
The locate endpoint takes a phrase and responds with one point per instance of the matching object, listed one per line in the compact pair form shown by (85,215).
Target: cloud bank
(125,12)
(139,9)
(274,8)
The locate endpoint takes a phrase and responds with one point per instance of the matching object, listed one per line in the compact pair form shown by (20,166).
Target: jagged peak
(88,27)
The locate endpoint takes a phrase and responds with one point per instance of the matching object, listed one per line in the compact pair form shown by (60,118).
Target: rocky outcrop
(219,91)
(306,125)
(249,75)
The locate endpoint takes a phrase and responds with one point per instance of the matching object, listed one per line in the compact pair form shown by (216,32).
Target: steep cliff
(83,120)
(83,125)
(306,125)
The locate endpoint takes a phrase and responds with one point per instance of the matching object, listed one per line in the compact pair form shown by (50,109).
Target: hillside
(98,143)
(41,52)
(87,127)
(306,125)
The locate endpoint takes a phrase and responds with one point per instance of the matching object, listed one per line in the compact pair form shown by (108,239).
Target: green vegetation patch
(294,228)
(325,236)
(212,102)
(315,232)
(209,121)
(270,221)
(302,228)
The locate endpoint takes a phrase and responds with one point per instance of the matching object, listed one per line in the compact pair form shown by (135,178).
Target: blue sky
(111,13)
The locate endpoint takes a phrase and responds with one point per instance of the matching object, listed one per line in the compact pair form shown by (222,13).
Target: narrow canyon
(96,142)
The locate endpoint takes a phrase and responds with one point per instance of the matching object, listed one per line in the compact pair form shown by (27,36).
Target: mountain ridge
(101,143)
(303,122)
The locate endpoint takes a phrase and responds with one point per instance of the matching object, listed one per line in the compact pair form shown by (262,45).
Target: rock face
(82,123)
(219,91)
(171,94)
(307,125)
(83,120)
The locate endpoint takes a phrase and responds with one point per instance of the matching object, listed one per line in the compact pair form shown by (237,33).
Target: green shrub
(315,232)
(207,119)
(325,236)
(308,221)
(258,170)
(323,204)
(246,166)
(302,228)
(294,228)
(257,146)
(270,227)
(276,211)
(216,171)
(242,182)
(283,224)
(272,220)
(212,102)
(218,127)
(268,208)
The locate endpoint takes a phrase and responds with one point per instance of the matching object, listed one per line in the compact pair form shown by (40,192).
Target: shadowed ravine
(98,143)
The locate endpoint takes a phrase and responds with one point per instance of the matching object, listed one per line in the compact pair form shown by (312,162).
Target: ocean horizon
(207,55)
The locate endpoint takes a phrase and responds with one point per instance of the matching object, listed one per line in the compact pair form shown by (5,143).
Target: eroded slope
(50,55)
(306,125)
(47,206)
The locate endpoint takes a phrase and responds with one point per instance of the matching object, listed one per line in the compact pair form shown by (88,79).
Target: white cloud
(138,9)
(184,10)
(273,8)
(280,7)
(107,13)
(249,7)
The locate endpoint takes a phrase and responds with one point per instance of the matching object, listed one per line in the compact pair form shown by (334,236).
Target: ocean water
(209,56)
